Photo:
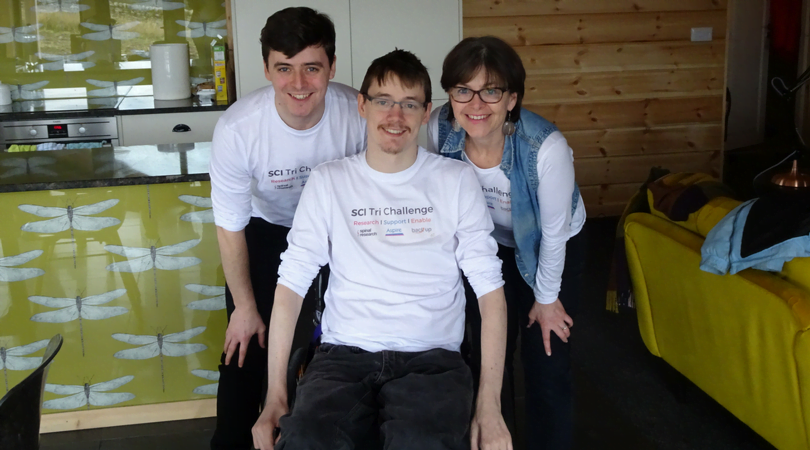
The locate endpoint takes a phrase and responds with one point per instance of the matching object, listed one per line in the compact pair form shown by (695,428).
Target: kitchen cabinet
(87,274)
(172,128)
(366,29)
(136,296)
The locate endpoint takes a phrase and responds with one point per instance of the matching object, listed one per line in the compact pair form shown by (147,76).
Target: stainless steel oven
(56,134)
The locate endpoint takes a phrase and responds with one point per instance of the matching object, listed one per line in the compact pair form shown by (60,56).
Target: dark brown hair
(499,61)
(291,30)
(405,65)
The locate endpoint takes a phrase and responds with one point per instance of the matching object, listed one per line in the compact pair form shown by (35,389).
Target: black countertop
(102,107)
(101,167)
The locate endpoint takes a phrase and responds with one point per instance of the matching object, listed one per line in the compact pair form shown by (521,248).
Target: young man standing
(396,225)
(264,149)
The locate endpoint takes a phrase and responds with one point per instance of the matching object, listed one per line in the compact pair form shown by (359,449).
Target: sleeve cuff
(544,299)
(230,225)
(293,287)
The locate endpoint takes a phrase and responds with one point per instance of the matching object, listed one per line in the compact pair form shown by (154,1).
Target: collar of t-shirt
(398,177)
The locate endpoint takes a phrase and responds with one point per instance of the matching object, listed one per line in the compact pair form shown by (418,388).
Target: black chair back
(21,407)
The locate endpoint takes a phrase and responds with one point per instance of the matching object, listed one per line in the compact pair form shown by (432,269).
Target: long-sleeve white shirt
(259,165)
(555,171)
(394,244)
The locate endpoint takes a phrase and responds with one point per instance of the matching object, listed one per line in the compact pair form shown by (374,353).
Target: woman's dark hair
(499,61)
(405,65)
(291,30)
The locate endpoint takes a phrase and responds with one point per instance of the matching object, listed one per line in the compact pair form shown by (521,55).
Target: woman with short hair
(525,168)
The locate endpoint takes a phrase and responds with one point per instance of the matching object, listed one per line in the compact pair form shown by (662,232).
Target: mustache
(397,126)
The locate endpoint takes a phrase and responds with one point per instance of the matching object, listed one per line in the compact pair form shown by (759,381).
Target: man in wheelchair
(397,226)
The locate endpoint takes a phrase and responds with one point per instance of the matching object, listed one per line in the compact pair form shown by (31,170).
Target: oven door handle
(181,128)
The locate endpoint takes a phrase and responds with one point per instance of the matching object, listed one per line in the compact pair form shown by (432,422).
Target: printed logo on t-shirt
(393,222)
(495,196)
(289,178)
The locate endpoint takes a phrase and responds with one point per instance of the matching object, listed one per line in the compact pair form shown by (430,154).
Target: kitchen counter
(102,107)
(101,167)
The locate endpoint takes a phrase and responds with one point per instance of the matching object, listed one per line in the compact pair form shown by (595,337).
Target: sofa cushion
(679,198)
(714,211)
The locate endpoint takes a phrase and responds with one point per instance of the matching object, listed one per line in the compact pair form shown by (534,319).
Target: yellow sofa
(741,338)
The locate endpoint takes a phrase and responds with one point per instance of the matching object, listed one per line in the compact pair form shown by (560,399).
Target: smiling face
(482,120)
(300,84)
(393,130)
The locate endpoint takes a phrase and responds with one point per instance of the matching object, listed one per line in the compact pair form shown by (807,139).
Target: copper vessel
(794,178)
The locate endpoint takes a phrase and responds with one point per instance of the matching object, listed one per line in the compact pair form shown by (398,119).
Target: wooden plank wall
(622,80)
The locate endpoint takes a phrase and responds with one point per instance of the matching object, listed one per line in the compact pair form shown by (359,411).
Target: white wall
(366,29)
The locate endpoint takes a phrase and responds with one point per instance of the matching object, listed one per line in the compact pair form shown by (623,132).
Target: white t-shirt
(497,191)
(394,244)
(259,165)
(555,168)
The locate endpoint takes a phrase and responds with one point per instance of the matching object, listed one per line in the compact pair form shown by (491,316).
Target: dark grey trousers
(349,398)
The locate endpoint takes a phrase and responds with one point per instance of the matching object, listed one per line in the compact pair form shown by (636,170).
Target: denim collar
(454,144)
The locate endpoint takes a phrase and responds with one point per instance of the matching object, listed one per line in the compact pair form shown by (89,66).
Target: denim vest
(519,164)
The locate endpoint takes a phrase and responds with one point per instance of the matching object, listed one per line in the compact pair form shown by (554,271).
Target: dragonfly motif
(215,303)
(140,53)
(110,88)
(107,32)
(19,34)
(206,216)
(156,5)
(10,274)
(143,259)
(52,6)
(200,29)
(79,308)
(206,389)
(88,394)
(13,358)
(159,345)
(28,91)
(23,166)
(60,60)
(70,218)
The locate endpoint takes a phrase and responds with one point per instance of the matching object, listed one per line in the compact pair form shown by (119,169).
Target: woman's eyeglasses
(487,95)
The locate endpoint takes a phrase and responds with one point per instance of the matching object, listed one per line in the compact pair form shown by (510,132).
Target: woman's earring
(508,127)
(456,126)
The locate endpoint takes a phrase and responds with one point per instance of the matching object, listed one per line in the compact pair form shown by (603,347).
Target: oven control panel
(57,131)
(61,130)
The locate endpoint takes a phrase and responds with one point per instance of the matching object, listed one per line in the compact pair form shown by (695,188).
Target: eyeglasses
(487,95)
(410,107)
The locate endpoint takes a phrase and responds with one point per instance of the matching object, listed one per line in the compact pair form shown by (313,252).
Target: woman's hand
(551,317)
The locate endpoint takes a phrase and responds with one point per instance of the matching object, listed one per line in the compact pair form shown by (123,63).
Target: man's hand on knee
(244,323)
(488,430)
(264,431)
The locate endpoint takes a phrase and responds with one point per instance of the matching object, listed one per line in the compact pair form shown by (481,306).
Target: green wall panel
(149,321)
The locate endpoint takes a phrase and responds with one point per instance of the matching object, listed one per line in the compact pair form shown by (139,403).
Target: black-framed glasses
(487,95)
(386,104)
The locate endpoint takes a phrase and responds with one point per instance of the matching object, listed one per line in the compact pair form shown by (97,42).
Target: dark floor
(625,397)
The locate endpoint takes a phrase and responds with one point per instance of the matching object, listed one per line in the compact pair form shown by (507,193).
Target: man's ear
(361,105)
(428,110)
(267,73)
(333,69)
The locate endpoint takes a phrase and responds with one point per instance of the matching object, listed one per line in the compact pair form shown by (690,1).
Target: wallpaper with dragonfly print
(91,264)
(100,48)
